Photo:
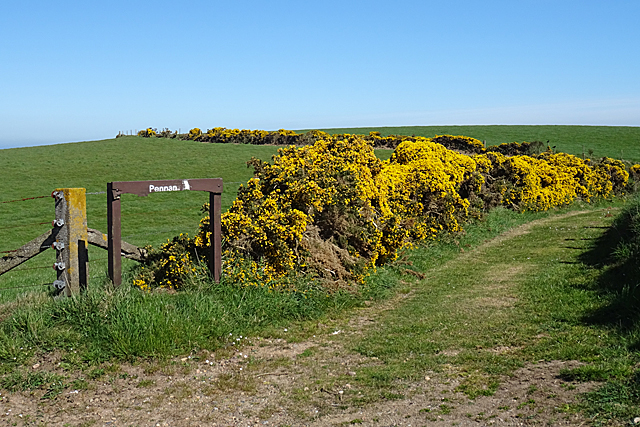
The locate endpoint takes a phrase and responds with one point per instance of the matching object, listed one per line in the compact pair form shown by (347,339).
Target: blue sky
(72,71)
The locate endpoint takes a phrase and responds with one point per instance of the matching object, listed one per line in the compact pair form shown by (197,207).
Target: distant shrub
(194,133)
(542,182)
(516,148)
(147,133)
(460,143)
(166,133)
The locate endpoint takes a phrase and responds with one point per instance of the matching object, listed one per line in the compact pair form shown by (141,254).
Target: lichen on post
(71,251)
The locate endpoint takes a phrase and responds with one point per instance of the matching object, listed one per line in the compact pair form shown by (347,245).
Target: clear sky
(84,70)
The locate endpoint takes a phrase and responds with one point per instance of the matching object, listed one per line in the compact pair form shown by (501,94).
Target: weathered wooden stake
(27,251)
(114,239)
(71,240)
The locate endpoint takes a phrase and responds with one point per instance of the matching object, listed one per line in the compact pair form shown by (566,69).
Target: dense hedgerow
(284,137)
(147,133)
(516,148)
(332,210)
(458,143)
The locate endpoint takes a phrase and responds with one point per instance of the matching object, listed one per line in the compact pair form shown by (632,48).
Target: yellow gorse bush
(421,186)
(148,132)
(315,193)
(333,210)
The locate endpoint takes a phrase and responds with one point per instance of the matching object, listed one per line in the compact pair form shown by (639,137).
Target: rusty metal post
(215,240)
(71,241)
(114,237)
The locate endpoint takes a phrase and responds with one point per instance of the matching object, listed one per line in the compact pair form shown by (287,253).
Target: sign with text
(143,188)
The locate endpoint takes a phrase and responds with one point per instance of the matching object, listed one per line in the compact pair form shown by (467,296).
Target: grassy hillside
(557,289)
(36,171)
(611,141)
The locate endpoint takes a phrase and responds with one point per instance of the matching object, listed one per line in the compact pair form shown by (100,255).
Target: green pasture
(36,171)
(619,142)
(564,290)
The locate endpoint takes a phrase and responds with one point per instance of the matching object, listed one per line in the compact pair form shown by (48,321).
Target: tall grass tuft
(127,323)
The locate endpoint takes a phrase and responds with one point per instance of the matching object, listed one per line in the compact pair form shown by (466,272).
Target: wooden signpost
(144,188)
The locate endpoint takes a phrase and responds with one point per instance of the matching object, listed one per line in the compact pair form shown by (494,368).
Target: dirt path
(278,383)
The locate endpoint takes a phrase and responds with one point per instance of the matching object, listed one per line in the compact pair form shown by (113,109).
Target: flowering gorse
(332,210)
(147,133)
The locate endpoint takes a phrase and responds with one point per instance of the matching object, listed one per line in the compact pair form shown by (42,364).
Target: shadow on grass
(617,254)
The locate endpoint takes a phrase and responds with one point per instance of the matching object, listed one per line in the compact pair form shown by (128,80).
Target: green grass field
(556,285)
(36,171)
(611,141)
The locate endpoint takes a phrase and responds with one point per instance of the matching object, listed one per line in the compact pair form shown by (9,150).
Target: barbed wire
(33,268)
(16,250)
(150,234)
(128,214)
(43,247)
(26,198)
(88,193)
(25,225)
(99,259)
(25,286)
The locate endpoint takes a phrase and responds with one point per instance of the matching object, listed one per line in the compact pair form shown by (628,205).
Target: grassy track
(612,141)
(530,295)
(485,306)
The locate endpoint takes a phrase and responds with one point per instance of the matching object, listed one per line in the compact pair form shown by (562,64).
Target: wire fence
(26,198)
(30,224)
(16,250)
(8,288)
(193,208)
(92,193)
(17,226)
(127,214)
(32,268)
(25,225)
(153,233)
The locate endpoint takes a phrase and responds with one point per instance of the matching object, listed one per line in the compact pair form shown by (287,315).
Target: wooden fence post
(215,240)
(114,238)
(71,242)
(143,188)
